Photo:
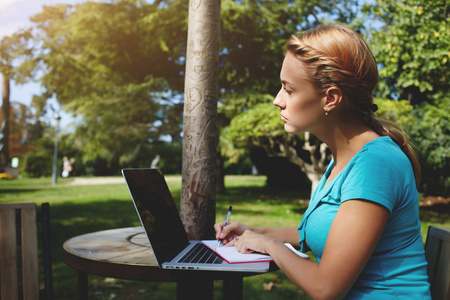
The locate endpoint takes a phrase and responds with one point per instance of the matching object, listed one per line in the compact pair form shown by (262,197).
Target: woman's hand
(250,242)
(228,233)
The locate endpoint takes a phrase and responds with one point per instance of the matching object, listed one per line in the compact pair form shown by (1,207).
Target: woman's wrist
(260,230)
(271,245)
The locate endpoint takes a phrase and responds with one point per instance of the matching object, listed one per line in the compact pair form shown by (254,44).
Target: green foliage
(412,47)
(12,51)
(114,127)
(92,47)
(241,167)
(117,66)
(170,157)
(39,161)
(433,123)
(431,136)
(251,129)
(398,112)
(36,164)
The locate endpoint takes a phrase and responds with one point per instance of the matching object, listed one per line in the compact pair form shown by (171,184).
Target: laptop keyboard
(201,254)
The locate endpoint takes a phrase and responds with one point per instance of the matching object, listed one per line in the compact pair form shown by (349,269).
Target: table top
(125,253)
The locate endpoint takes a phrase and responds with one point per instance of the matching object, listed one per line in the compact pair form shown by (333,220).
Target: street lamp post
(55,150)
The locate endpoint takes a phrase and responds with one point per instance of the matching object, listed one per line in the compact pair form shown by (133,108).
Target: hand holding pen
(225,224)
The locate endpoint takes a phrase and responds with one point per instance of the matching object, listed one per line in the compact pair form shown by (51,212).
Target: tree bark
(220,174)
(200,135)
(4,127)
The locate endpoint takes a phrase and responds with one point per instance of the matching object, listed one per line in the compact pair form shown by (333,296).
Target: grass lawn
(79,209)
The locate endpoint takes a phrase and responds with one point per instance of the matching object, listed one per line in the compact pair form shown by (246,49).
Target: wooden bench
(437,253)
(24,216)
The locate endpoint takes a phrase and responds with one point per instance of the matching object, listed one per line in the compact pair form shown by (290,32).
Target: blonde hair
(336,56)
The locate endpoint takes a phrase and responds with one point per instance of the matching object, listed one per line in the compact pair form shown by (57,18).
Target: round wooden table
(125,253)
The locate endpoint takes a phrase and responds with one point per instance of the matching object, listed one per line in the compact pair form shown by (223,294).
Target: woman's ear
(333,98)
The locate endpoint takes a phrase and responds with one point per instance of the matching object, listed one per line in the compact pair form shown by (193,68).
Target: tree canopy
(412,47)
(117,66)
(13,50)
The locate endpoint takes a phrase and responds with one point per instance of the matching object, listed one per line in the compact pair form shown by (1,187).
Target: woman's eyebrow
(285,82)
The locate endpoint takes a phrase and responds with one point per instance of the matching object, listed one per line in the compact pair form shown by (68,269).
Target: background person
(66,167)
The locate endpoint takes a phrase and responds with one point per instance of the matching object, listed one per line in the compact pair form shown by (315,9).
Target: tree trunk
(200,135)
(220,174)
(4,127)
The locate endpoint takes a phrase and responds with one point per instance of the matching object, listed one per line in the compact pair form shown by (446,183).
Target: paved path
(96,180)
(109,180)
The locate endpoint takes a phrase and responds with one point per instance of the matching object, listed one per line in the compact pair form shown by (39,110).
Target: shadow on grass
(18,191)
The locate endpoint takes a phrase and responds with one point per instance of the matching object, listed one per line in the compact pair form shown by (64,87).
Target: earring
(326,112)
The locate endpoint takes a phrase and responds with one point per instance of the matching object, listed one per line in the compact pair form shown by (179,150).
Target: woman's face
(300,103)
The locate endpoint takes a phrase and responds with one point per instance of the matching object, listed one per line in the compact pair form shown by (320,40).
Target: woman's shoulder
(384,149)
(381,156)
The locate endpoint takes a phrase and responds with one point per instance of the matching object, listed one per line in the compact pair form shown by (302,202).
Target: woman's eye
(287,91)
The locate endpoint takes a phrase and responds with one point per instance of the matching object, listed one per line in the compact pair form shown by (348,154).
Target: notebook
(162,224)
(231,255)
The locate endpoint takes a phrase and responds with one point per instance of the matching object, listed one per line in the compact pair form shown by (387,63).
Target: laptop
(162,224)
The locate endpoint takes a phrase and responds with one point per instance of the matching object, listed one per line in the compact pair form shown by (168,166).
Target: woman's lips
(283,118)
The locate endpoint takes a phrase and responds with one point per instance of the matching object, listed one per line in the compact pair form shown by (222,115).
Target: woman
(362,223)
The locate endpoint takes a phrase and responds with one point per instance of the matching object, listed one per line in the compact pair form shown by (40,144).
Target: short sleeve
(377,176)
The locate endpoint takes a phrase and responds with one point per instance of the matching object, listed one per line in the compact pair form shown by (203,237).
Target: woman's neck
(345,137)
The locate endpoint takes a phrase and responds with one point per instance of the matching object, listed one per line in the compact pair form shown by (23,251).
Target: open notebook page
(232,256)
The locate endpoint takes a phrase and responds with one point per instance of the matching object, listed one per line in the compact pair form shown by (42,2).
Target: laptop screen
(157,211)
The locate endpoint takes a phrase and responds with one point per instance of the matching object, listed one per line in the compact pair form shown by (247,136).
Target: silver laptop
(160,218)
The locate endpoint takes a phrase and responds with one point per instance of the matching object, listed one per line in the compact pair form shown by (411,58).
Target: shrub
(37,164)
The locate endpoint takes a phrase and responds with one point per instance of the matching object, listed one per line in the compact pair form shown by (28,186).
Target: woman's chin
(291,130)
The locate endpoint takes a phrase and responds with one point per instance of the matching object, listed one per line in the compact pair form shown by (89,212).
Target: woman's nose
(277,100)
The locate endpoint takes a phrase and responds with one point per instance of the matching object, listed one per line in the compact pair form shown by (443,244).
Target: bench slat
(8,252)
(30,254)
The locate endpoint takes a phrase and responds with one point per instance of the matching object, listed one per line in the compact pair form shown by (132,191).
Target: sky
(15,15)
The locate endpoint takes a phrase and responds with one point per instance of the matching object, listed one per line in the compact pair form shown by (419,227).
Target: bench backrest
(11,251)
(437,253)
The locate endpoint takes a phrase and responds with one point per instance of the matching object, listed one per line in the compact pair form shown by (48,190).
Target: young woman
(362,222)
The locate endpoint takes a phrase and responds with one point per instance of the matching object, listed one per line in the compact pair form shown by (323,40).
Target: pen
(226,221)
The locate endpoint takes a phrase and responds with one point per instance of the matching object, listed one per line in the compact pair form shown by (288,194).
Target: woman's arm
(352,238)
(234,229)
(283,234)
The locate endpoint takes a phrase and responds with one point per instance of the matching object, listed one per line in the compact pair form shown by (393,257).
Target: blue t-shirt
(381,173)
